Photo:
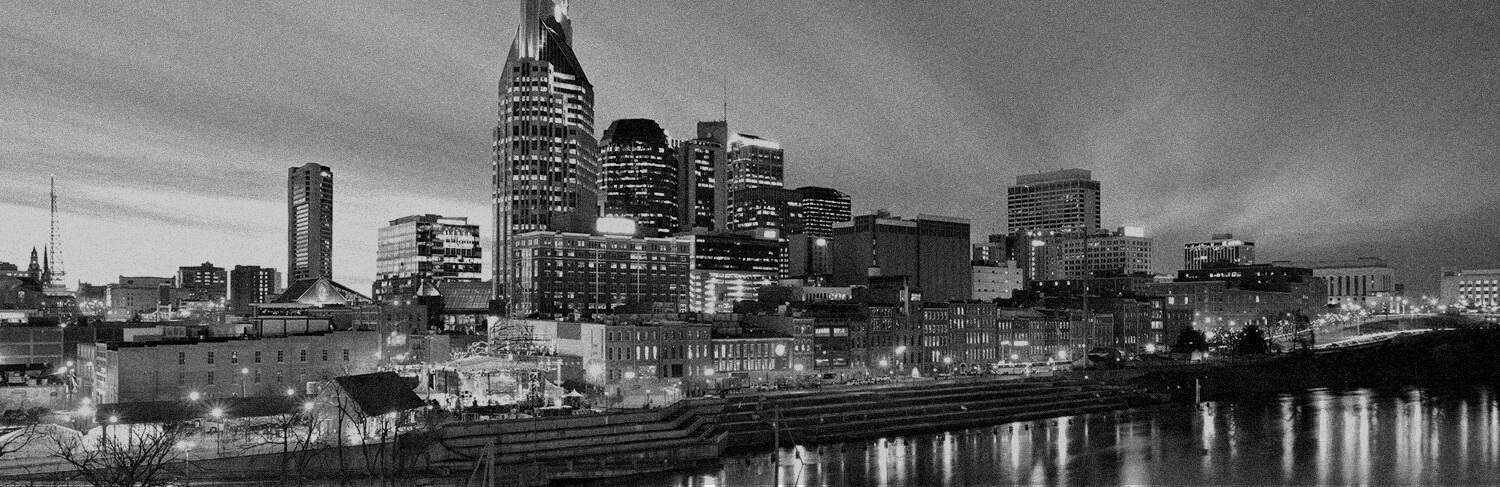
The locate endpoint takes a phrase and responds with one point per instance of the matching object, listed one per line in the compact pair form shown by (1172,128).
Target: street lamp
(244,379)
(194,396)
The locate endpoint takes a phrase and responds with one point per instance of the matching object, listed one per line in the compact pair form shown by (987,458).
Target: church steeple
(35,269)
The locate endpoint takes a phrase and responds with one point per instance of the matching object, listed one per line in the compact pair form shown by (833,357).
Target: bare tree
(18,429)
(139,459)
(296,435)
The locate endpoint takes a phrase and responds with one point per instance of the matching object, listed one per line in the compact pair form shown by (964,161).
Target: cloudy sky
(1321,130)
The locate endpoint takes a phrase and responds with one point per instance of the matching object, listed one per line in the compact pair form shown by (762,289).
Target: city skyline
(1317,146)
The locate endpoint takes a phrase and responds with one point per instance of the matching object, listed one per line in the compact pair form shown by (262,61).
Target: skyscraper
(823,207)
(1065,200)
(704,179)
(753,162)
(545,155)
(424,248)
(640,176)
(309,222)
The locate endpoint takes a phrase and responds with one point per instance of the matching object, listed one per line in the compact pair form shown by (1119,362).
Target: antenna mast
(54,256)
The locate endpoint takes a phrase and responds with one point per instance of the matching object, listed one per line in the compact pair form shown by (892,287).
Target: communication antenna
(726,100)
(54,252)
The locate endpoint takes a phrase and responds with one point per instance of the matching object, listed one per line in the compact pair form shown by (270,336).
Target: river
(1363,436)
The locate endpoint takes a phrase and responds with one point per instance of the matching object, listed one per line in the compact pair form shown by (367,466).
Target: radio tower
(54,253)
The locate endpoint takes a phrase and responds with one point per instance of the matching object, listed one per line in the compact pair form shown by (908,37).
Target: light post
(948,364)
(900,356)
(244,379)
(187,463)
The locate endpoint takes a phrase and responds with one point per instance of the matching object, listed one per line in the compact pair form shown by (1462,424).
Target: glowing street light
(217,413)
(194,396)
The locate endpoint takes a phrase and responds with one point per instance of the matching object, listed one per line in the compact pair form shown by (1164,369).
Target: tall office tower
(1065,200)
(205,282)
(309,222)
(640,176)
(421,248)
(932,252)
(823,207)
(753,163)
(1223,251)
(767,208)
(1083,254)
(545,167)
(704,178)
(249,284)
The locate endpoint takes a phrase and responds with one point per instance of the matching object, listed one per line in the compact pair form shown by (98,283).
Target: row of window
(234,357)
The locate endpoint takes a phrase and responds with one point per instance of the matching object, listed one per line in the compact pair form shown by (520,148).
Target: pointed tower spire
(35,269)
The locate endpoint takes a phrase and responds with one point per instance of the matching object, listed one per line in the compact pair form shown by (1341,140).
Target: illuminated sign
(613,225)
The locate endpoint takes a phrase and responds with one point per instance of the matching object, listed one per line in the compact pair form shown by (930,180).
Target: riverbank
(1438,359)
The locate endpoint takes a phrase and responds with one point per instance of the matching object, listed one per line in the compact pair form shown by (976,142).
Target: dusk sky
(1320,130)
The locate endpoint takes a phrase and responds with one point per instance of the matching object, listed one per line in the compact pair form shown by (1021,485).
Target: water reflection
(1314,437)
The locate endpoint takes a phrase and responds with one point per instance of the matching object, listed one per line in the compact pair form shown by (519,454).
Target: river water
(1404,436)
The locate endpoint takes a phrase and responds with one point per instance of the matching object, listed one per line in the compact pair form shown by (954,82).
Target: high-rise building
(1065,200)
(546,167)
(1224,250)
(766,208)
(640,176)
(753,162)
(309,222)
(205,282)
(823,207)
(421,248)
(704,178)
(932,251)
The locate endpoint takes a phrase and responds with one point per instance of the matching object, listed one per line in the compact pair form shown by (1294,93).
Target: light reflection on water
(1320,436)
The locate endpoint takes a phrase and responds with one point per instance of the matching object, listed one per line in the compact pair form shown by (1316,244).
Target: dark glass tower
(705,194)
(640,176)
(546,168)
(309,215)
(823,207)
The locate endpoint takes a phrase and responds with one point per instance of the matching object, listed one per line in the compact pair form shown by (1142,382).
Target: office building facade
(1059,201)
(1471,288)
(753,162)
(729,268)
(1222,251)
(309,222)
(205,282)
(1359,282)
(822,208)
(250,285)
(546,166)
(1051,255)
(421,248)
(640,178)
(934,251)
(705,178)
(573,273)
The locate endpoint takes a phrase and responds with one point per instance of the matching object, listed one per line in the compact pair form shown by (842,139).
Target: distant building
(1058,201)
(751,354)
(933,250)
(205,282)
(766,208)
(10,270)
(1233,301)
(704,180)
(1081,254)
(1224,250)
(309,221)
(628,360)
(640,176)
(571,273)
(1472,288)
(425,248)
(1363,281)
(996,280)
(822,208)
(135,295)
(250,285)
(999,248)
(729,268)
(753,162)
